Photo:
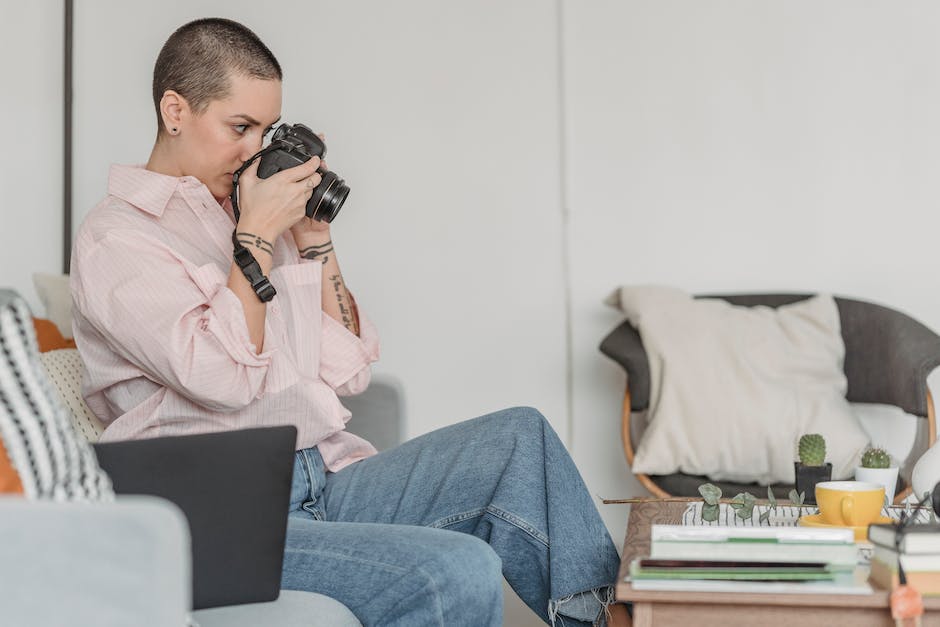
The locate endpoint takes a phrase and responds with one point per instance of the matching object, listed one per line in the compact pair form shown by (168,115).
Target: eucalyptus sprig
(742,503)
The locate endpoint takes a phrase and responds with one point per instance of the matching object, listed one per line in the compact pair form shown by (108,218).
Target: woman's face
(215,143)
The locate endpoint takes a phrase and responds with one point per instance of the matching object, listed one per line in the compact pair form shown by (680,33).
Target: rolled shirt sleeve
(340,358)
(345,359)
(175,321)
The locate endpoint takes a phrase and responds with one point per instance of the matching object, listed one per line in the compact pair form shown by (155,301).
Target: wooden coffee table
(727,609)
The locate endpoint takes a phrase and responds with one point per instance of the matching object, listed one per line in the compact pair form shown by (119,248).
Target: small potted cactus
(812,467)
(877,468)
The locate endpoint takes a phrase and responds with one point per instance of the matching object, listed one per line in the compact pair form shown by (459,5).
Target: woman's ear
(173,108)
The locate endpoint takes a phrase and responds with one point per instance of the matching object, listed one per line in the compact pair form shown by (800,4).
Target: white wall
(31,53)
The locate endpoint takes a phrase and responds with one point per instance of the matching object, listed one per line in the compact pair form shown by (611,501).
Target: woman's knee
(467,576)
(526,420)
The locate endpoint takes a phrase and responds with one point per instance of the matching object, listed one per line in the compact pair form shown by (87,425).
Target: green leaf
(797,499)
(765,516)
(711,493)
(710,512)
(771,498)
(743,505)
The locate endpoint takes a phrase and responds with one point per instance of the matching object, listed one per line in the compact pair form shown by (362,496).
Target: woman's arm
(269,207)
(314,241)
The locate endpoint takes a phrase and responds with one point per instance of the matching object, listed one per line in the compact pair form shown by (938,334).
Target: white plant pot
(888,477)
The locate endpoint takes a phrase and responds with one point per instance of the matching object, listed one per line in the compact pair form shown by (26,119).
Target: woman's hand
(270,206)
(309,225)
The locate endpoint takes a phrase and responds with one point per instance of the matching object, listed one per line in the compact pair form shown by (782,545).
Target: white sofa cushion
(53,291)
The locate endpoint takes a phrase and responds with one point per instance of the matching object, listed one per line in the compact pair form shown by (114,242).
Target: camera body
(296,144)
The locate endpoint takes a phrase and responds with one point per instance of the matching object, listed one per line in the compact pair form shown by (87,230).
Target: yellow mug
(849,503)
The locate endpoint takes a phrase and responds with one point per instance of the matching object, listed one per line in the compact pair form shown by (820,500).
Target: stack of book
(759,559)
(914,548)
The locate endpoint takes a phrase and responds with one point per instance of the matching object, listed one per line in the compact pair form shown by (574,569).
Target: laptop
(234,488)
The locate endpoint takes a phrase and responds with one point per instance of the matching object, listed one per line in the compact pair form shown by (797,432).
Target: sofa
(128,562)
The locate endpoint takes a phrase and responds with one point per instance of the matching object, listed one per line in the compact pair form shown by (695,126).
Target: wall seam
(565,224)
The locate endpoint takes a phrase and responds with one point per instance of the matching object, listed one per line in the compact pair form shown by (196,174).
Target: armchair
(888,356)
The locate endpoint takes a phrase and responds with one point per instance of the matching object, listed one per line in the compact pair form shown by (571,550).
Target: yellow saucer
(861,533)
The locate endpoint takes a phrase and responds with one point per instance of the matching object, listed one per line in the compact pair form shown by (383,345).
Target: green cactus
(876,457)
(812,450)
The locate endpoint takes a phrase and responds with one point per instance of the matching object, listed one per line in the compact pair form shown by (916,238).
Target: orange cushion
(49,336)
(9,479)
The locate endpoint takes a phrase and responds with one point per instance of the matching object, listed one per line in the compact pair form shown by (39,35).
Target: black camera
(293,145)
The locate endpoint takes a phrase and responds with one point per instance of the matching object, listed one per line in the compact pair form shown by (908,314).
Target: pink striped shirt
(165,342)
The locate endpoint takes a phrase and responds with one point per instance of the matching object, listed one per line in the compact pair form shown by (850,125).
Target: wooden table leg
(642,615)
(619,616)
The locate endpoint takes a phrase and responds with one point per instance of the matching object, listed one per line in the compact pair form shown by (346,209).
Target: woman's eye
(267,131)
(240,128)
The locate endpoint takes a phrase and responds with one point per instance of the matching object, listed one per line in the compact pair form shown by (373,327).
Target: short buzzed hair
(198,59)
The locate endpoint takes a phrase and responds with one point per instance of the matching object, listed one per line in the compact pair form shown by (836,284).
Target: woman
(177,340)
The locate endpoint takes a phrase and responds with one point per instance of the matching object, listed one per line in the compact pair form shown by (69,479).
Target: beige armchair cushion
(733,388)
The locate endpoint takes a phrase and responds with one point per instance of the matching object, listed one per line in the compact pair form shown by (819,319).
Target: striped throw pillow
(52,460)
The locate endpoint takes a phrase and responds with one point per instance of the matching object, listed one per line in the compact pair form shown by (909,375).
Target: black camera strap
(243,257)
(252,271)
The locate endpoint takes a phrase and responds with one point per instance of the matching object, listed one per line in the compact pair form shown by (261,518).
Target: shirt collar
(147,190)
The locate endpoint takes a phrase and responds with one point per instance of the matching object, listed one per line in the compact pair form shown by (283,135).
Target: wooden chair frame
(658,492)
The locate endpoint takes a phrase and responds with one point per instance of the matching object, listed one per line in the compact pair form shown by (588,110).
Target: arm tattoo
(349,320)
(250,239)
(315,252)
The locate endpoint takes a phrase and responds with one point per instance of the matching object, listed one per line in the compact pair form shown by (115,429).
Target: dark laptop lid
(234,488)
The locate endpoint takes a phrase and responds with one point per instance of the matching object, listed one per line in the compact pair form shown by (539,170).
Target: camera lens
(327,198)
(281,132)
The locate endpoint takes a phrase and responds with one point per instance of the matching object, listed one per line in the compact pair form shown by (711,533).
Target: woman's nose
(250,148)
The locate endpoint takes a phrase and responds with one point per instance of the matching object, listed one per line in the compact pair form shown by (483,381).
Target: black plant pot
(808,476)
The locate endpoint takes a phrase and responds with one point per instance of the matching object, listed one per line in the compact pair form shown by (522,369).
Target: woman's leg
(507,479)
(390,574)
(396,574)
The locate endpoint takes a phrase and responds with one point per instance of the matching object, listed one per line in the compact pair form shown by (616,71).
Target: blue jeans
(419,534)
